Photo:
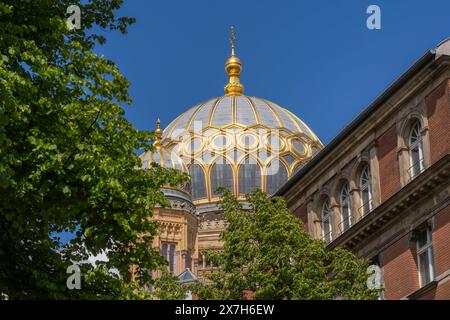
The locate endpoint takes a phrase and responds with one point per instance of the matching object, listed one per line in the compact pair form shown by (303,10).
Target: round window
(221,142)
(274,142)
(248,141)
(298,146)
(194,145)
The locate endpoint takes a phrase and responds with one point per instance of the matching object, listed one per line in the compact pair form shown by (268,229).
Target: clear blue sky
(315,58)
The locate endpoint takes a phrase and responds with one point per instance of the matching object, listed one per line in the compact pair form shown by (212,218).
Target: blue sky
(315,58)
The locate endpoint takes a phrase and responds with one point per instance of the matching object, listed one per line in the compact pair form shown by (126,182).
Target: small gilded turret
(233,67)
(158,134)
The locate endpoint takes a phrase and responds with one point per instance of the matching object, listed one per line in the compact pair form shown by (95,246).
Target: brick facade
(397,258)
(302,213)
(438,113)
(389,168)
(441,241)
(403,204)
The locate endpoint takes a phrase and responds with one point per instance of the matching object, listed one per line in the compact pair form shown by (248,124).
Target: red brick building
(381,187)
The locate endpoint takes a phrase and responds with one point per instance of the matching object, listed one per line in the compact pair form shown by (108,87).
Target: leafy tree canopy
(67,157)
(267,251)
(168,287)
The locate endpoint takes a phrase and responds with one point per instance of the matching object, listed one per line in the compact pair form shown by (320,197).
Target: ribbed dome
(239,142)
(243,111)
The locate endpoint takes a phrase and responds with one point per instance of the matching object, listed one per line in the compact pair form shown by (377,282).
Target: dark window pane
(172,258)
(276,176)
(424,268)
(422,238)
(221,177)
(198,181)
(164,250)
(249,176)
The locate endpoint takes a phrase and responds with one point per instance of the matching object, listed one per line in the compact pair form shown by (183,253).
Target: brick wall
(441,241)
(388,163)
(441,292)
(302,213)
(438,113)
(399,270)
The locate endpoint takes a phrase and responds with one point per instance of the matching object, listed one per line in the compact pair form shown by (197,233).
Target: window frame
(326,215)
(428,249)
(348,202)
(417,144)
(366,186)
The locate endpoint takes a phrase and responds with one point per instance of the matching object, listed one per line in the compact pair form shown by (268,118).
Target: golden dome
(239,133)
(239,142)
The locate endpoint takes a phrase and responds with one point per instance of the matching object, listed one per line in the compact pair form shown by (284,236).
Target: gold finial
(233,67)
(158,133)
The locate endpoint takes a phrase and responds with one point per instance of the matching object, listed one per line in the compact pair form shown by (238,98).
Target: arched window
(198,186)
(345,207)
(277,175)
(168,253)
(249,176)
(327,228)
(415,147)
(221,177)
(365,187)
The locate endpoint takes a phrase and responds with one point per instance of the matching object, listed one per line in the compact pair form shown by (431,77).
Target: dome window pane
(194,145)
(197,181)
(298,146)
(221,177)
(276,176)
(221,142)
(274,142)
(249,176)
(247,141)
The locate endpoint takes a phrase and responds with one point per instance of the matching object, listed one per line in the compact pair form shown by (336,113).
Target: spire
(158,134)
(233,67)
(232,40)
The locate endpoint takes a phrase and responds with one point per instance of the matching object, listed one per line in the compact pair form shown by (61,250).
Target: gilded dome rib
(290,117)
(280,122)
(189,123)
(250,102)
(213,110)
(172,126)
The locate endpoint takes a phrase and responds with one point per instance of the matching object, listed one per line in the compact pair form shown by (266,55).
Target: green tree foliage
(67,156)
(267,251)
(167,287)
